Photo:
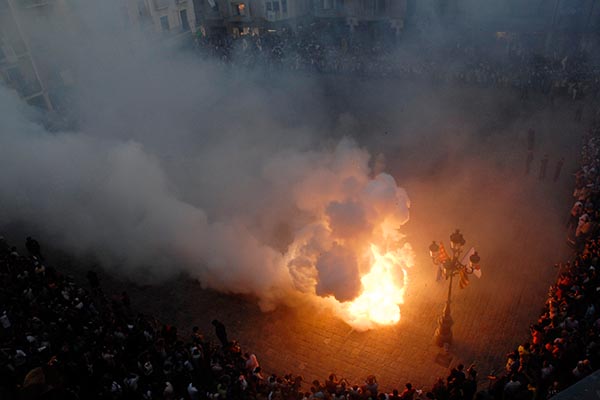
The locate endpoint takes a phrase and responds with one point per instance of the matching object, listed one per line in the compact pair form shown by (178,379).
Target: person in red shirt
(408,393)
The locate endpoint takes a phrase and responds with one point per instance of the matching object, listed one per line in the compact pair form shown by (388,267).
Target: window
(327,4)
(276,6)
(161,4)
(185,24)
(239,9)
(164,23)
(340,4)
(269,6)
(381,6)
(284,6)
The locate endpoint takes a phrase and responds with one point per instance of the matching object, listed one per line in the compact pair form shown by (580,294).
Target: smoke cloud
(183,165)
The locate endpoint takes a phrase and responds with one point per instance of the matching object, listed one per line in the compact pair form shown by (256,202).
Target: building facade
(240,17)
(162,16)
(27,63)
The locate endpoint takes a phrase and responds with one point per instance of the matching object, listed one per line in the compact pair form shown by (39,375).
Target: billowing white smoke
(114,199)
(333,252)
(170,173)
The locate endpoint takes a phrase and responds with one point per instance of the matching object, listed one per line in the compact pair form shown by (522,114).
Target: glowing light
(383,289)
(352,258)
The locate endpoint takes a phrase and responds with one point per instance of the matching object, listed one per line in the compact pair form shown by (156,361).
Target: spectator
(33,247)
(408,393)
(221,332)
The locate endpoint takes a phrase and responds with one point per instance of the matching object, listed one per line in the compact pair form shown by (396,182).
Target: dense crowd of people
(323,49)
(61,341)
(564,346)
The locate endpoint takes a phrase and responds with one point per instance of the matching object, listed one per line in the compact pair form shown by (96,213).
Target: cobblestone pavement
(515,222)
(491,316)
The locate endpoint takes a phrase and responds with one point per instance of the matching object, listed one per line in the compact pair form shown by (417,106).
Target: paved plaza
(491,316)
(516,222)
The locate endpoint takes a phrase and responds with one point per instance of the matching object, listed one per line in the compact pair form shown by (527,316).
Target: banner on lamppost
(440,260)
(464,279)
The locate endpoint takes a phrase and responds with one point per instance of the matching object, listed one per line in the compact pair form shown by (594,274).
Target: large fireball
(353,256)
(383,289)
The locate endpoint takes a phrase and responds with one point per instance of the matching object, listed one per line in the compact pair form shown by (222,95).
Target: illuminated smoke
(181,166)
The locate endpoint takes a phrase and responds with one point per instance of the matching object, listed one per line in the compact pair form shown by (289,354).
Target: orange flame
(383,289)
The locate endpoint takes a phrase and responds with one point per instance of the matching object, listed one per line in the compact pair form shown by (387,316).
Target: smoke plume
(180,165)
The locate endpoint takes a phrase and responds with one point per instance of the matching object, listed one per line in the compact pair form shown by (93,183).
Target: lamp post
(449,267)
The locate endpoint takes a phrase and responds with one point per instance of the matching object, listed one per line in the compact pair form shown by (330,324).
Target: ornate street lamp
(449,267)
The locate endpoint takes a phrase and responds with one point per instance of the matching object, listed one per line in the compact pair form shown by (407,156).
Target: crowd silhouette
(319,48)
